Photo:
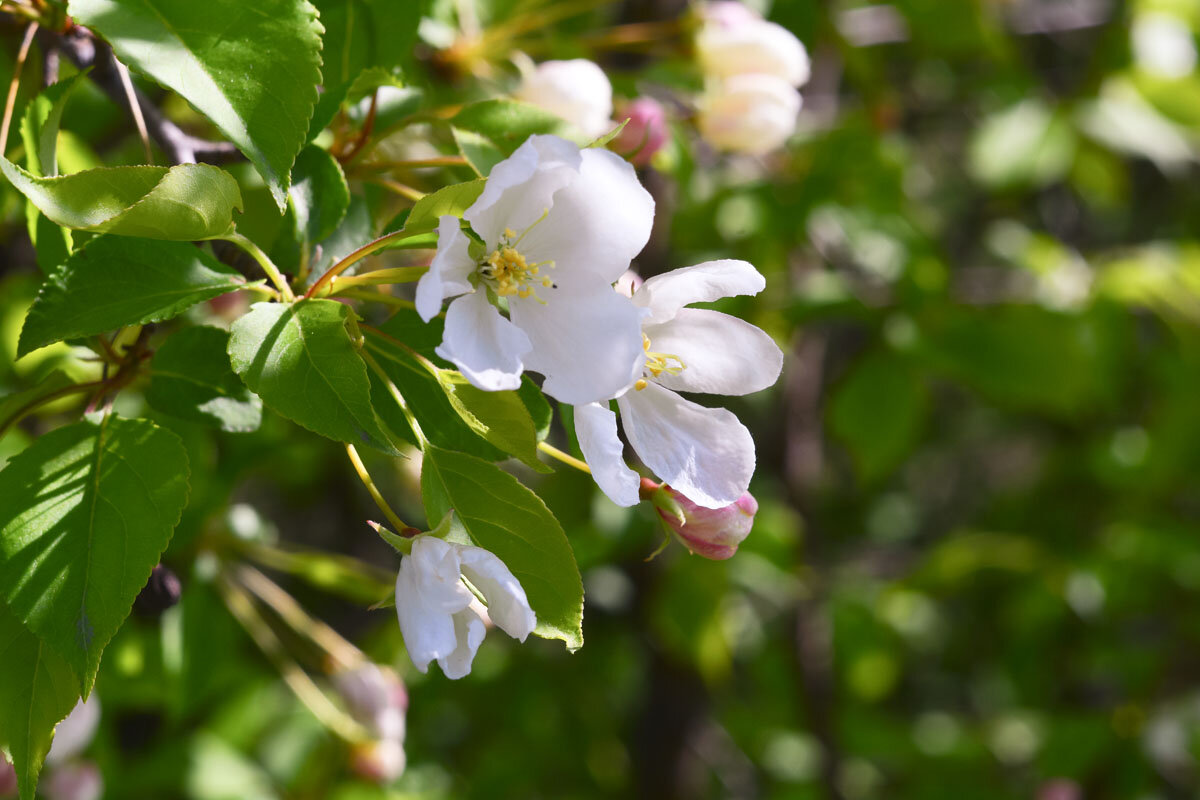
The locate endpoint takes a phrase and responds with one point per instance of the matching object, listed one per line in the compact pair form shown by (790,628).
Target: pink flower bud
(376,697)
(711,532)
(729,14)
(77,781)
(8,779)
(645,133)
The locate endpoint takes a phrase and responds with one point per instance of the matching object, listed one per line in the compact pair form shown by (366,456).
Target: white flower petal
(752,114)
(521,187)
(448,274)
(469,630)
(576,90)
(483,344)
(665,294)
(597,225)
(596,427)
(753,46)
(721,354)
(506,602)
(703,453)
(429,590)
(588,344)
(75,733)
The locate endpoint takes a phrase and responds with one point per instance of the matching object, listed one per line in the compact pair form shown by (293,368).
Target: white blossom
(752,114)
(559,225)
(704,453)
(75,733)
(440,618)
(730,44)
(576,90)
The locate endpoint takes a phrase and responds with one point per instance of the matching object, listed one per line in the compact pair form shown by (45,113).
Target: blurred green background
(976,567)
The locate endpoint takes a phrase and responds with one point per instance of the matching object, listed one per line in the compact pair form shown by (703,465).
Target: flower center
(658,363)
(507,270)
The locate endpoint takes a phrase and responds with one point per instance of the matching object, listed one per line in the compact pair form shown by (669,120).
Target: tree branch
(85,50)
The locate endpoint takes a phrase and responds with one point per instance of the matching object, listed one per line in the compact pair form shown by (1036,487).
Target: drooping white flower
(559,225)
(730,44)
(752,114)
(576,90)
(376,698)
(439,616)
(706,454)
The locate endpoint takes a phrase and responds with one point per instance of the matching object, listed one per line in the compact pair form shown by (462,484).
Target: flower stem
(353,258)
(14,84)
(365,477)
(307,692)
(565,458)
(265,262)
(343,654)
(33,405)
(378,277)
(416,163)
(375,297)
(402,189)
(399,398)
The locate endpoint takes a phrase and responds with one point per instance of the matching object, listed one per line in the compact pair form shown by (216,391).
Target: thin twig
(135,108)
(353,258)
(365,133)
(14,84)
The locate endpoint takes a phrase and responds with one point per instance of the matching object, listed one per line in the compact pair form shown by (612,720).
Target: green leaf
(37,690)
(499,417)
(503,516)
(878,412)
(319,195)
(183,203)
(478,150)
(191,379)
(13,403)
(336,93)
(51,243)
(452,200)
(1028,144)
(301,360)
(537,406)
(40,124)
(87,511)
(366,34)
(114,281)
(507,123)
(251,68)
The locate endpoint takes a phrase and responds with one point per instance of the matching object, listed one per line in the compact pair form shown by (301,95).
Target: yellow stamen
(641,384)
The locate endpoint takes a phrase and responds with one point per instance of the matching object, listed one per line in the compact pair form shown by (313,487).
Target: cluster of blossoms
(753,69)
(554,229)
(376,698)
(68,777)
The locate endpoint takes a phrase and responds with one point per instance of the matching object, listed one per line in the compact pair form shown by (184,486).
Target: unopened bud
(709,532)
(376,697)
(8,779)
(77,781)
(645,133)
(577,90)
(160,592)
(381,762)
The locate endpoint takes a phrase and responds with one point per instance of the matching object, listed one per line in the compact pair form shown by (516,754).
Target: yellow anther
(641,384)
(509,233)
(534,270)
(646,343)
(547,282)
(525,292)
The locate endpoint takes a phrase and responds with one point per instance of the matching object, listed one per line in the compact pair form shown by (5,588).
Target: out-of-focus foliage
(976,566)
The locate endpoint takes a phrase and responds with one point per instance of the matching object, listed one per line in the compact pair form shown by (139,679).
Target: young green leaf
(499,417)
(251,68)
(114,281)
(452,200)
(40,124)
(300,359)
(507,123)
(503,516)
(319,195)
(190,378)
(37,690)
(479,151)
(86,513)
(183,203)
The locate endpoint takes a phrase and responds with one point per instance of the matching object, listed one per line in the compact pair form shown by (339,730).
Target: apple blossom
(439,616)
(75,733)
(381,761)
(645,133)
(559,225)
(713,533)
(576,90)
(750,114)
(704,453)
(76,781)
(730,43)
(376,698)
